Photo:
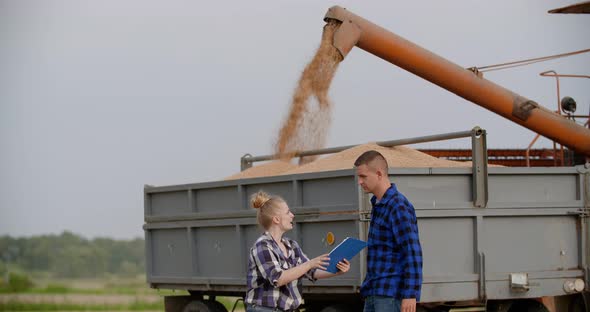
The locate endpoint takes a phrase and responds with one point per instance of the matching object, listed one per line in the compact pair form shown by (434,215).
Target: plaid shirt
(265,265)
(394,256)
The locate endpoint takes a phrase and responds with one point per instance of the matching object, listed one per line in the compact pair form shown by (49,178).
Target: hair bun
(259,199)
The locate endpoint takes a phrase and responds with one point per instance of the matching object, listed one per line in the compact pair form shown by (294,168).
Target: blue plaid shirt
(394,256)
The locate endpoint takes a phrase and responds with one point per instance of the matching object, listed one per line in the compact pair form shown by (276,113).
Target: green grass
(229,302)
(101,286)
(111,286)
(135,306)
(96,286)
(59,289)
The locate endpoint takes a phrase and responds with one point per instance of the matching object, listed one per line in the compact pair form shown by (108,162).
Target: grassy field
(109,294)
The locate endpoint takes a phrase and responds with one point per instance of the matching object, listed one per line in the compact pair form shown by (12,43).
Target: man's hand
(409,305)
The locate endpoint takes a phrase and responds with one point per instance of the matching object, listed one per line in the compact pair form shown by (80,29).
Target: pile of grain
(399,156)
(307,123)
(268,169)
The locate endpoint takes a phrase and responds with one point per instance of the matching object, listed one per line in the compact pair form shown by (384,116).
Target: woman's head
(272,210)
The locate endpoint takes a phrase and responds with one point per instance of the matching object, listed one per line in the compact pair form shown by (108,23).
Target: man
(394,255)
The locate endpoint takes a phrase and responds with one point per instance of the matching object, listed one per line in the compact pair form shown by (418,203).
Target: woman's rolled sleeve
(268,263)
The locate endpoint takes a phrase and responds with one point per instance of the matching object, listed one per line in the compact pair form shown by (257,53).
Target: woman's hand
(294,273)
(343,266)
(319,262)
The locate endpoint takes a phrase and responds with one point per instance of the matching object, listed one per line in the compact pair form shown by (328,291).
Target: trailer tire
(498,305)
(337,308)
(216,306)
(578,304)
(527,306)
(198,306)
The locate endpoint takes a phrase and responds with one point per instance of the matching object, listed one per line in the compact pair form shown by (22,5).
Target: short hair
(373,159)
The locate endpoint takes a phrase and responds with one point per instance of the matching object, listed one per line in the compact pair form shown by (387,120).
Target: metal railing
(478,156)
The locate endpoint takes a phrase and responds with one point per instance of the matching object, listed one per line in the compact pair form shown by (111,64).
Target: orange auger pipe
(355,30)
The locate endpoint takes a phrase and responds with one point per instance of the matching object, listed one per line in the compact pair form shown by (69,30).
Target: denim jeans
(382,304)
(257,308)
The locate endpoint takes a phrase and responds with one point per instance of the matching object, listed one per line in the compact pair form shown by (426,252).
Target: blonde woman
(277,264)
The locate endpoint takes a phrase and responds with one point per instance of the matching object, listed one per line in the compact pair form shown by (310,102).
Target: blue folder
(347,249)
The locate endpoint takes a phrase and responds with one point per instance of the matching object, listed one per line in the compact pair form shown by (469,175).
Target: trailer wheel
(198,306)
(337,308)
(527,306)
(498,305)
(578,304)
(216,306)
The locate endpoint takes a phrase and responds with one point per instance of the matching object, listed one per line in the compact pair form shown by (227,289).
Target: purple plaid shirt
(266,262)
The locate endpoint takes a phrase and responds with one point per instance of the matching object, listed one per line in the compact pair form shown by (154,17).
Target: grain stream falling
(308,120)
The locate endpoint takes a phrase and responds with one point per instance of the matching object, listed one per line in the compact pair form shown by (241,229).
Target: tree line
(72,256)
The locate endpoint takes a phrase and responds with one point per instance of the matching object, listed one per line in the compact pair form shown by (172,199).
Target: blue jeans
(257,308)
(382,304)
(254,308)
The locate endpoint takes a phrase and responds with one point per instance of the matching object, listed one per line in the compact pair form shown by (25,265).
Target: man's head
(372,172)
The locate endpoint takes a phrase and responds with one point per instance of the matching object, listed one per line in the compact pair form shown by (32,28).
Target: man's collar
(391,190)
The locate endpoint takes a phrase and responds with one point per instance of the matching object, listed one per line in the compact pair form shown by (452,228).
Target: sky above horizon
(98,98)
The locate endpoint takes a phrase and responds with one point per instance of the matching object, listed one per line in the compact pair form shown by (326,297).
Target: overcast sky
(98,98)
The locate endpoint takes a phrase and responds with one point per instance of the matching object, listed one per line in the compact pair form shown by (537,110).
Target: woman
(276,263)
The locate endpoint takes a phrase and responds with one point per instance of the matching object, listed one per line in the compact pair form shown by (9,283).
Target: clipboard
(347,249)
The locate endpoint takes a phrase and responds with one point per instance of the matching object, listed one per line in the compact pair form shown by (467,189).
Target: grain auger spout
(356,31)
